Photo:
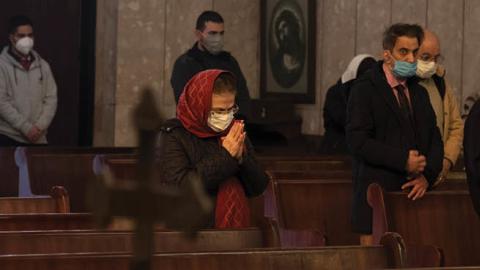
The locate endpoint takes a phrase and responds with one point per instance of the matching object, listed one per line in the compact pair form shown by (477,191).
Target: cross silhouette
(144,199)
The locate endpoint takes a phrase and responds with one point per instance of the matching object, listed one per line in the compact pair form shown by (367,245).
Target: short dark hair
(208,16)
(16,21)
(225,83)
(399,30)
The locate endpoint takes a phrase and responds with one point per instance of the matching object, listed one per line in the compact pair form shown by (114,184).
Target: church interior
(240,134)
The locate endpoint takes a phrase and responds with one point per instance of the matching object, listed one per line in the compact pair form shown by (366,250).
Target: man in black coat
(208,53)
(471,149)
(391,127)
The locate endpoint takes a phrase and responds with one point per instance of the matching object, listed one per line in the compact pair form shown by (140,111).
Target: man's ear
(198,34)
(387,56)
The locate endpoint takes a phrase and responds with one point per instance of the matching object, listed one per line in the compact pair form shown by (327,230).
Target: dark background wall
(65,38)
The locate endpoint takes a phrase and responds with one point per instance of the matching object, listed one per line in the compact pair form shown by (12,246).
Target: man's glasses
(428,58)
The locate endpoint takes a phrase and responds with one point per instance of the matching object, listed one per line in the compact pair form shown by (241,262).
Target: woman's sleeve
(252,175)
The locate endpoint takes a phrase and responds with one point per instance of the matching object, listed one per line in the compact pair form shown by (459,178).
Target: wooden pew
(445,219)
(9,171)
(45,167)
(57,202)
(391,254)
(323,205)
(96,241)
(306,163)
(57,221)
(313,175)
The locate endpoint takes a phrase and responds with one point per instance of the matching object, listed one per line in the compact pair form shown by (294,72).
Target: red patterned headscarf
(195,103)
(232,210)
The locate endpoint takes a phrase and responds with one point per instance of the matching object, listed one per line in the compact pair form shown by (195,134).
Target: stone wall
(139,40)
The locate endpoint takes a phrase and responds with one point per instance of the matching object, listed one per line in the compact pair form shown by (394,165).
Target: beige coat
(447,112)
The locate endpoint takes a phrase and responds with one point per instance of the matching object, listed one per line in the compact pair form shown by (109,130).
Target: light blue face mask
(404,69)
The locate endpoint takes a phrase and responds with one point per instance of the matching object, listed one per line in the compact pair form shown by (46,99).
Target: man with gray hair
(444,103)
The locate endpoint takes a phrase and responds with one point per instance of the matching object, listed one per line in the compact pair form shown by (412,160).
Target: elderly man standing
(391,128)
(445,105)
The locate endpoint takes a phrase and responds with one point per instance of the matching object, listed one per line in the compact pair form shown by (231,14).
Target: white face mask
(219,121)
(24,45)
(426,69)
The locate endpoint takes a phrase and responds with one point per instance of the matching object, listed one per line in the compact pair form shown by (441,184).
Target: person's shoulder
(184,58)
(171,126)
(229,56)
(364,82)
(4,57)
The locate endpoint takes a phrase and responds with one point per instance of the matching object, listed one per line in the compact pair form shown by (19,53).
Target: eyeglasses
(428,58)
(233,110)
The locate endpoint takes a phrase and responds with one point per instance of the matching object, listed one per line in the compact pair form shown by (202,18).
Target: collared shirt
(394,82)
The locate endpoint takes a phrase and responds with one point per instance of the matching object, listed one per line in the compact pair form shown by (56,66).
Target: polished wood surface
(25,222)
(356,257)
(445,219)
(323,205)
(58,202)
(316,165)
(94,241)
(67,167)
(9,172)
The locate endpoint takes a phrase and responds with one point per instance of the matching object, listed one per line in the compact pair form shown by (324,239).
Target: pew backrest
(445,219)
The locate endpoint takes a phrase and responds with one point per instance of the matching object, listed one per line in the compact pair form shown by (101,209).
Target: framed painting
(288,50)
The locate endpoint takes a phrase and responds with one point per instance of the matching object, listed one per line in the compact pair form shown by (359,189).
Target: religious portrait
(288,43)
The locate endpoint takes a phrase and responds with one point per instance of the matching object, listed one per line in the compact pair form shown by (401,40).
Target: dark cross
(144,199)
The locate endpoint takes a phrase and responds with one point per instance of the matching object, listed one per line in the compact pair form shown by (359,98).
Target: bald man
(444,103)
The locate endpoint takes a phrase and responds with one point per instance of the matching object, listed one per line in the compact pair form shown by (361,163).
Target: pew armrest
(397,253)
(62,200)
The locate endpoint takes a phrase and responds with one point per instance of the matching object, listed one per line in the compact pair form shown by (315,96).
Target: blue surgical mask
(403,69)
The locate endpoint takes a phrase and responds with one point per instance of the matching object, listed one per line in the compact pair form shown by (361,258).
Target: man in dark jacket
(208,53)
(472,154)
(391,128)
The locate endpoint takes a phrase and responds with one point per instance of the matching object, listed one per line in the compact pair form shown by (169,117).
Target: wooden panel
(26,222)
(67,167)
(445,17)
(317,204)
(9,172)
(373,17)
(409,11)
(303,259)
(41,242)
(304,174)
(291,165)
(445,219)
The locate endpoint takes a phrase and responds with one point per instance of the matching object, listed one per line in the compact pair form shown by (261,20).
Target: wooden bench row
(390,254)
